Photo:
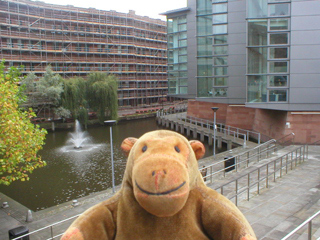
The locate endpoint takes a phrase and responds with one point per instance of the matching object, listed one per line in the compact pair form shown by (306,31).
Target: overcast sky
(148,8)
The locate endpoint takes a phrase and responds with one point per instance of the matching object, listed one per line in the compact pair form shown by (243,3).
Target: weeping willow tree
(102,95)
(74,98)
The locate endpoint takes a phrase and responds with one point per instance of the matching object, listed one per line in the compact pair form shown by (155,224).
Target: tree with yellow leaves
(20,140)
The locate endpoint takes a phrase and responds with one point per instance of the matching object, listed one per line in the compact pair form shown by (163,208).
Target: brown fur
(162,197)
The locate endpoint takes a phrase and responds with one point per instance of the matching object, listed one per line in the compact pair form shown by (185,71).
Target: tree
(102,95)
(50,88)
(20,140)
(74,98)
(30,89)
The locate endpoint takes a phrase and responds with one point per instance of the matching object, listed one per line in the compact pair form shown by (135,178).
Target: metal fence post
(236,192)
(248,192)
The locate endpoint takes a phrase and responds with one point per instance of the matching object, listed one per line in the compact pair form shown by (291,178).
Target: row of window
(264,9)
(268,51)
(177,55)
(212,29)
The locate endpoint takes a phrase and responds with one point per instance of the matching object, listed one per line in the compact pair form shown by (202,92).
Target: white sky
(150,8)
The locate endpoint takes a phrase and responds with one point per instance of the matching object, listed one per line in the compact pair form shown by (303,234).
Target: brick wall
(240,116)
(203,110)
(270,123)
(306,127)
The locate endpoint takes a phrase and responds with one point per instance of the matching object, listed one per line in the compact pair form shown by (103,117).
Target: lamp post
(111,123)
(214,109)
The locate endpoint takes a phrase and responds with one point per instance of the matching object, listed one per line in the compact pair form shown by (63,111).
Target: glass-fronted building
(257,54)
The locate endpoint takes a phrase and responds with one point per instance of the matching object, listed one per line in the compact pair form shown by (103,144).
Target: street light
(111,123)
(214,109)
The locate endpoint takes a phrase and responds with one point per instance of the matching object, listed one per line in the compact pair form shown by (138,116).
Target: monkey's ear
(127,144)
(198,148)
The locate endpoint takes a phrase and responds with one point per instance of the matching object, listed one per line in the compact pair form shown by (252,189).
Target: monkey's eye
(144,148)
(177,149)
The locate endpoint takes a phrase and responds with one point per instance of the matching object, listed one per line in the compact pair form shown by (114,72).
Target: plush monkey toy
(162,196)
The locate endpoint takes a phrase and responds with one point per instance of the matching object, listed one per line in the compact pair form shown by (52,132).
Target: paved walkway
(288,202)
(274,213)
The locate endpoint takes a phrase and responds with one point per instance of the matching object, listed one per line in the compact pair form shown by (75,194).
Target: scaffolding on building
(76,41)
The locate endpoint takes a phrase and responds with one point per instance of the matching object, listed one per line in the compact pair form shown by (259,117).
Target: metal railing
(274,168)
(222,128)
(227,129)
(241,160)
(306,222)
(49,234)
(286,140)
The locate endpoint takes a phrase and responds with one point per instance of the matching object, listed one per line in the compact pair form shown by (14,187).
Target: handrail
(238,192)
(223,126)
(247,157)
(206,124)
(309,222)
(51,229)
(278,164)
(281,141)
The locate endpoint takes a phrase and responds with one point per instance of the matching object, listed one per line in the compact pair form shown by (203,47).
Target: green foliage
(28,86)
(74,98)
(102,95)
(50,86)
(20,140)
(62,112)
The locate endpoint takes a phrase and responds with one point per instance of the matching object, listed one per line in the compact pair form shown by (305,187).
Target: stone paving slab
(274,213)
(294,198)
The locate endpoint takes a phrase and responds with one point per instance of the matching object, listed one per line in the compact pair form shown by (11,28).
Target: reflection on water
(73,173)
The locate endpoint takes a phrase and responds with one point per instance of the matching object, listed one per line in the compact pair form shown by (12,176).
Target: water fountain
(78,137)
(79,141)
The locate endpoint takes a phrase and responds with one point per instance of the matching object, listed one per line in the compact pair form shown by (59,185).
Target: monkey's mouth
(160,193)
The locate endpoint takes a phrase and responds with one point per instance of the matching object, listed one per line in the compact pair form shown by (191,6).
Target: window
(219,18)
(277,95)
(278,81)
(219,8)
(220,71)
(220,50)
(182,43)
(257,60)
(204,67)
(257,8)
(278,67)
(220,81)
(279,9)
(203,7)
(204,86)
(257,88)
(257,32)
(182,27)
(220,29)
(278,53)
(204,25)
(204,46)
(278,38)
(220,39)
(220,92)
(279,24)
(220,61)
(183,58)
